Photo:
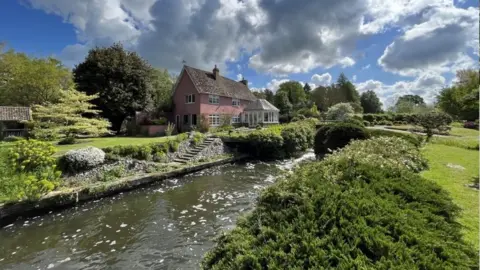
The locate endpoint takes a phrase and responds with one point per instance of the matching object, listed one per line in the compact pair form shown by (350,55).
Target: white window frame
(236,119)
(190,99)
(214,120)
(235,102)
(213,99)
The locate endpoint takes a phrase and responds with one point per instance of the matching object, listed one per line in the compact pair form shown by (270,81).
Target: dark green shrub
(345,214)
(160,147)
(366,123)
(173,146)
(265,144)
(434,120)
(333,136)
(67,140)
(411,138)
(355,121)
(297,137)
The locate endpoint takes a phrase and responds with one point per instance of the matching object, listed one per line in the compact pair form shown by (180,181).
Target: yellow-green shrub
(30,155)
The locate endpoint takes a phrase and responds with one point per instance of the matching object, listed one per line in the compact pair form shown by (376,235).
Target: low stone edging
(59,199)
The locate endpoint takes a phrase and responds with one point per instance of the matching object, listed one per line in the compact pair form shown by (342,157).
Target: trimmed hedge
(416,140)
(350,213)
(390,118)
(297,138)
(333,136)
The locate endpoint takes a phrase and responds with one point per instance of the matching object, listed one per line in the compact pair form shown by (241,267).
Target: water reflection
(167,226)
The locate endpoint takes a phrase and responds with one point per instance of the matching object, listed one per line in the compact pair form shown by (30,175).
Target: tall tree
(320,98)
(294,91)
(461,99)
(122,80)
(307,89)
(370,102)
(283,103)
(269,95)
(66,117)
(259,94)
(162,86)
(415,99)
(346,92)
(27,81)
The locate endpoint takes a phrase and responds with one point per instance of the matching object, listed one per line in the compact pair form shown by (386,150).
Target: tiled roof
(260,105)
(206,83)
(8,113)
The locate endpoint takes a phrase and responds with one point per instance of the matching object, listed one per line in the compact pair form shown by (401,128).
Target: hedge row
(407,118)
(363,207)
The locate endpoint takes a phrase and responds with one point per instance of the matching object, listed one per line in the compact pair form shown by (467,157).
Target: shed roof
(260,105)
(8,113)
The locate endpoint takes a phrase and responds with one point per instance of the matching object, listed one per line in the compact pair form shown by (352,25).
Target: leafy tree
(260,95)
(269,95)
(121,79)
(340,112)
(66,117)
(370,102)
(307,89)
(162,84)
(345,91)
(294,91)
(27,81)
(320,97)
(283,103)
(414,99)
(461,100)
(431,121)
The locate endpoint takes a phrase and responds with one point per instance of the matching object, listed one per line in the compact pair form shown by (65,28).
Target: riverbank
(74,196)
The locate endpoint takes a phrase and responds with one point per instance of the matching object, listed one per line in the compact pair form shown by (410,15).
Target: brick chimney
(244,81)
(216,72)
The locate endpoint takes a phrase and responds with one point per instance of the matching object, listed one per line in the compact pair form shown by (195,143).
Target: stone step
(180,160)
(188,155)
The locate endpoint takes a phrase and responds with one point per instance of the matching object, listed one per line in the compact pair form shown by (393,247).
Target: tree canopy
(162,86)
(66,117)
(283,103)
(294,90)
(27,81)
(370,102)
(414,99)
(122,80)
(461,99)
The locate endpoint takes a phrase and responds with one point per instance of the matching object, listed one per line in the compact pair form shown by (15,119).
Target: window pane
(193,98)
(185,119)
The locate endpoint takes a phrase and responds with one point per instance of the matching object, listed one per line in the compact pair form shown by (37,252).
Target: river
(166,226)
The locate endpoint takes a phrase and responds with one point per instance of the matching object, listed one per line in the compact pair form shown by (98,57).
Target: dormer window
(235,102)
(213,99)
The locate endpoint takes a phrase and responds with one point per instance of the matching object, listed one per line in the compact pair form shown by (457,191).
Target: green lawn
(454,180)
(110,141)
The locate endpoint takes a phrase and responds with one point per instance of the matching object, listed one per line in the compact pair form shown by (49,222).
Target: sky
(391,47)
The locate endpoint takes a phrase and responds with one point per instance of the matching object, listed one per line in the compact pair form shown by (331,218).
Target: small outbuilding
(260,111)
(12,121)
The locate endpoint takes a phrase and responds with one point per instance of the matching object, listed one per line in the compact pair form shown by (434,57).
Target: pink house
(200,93)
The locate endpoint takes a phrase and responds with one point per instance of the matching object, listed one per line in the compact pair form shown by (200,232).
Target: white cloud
(427,85)
(323,79)
(366,67)
(439,44)
(354,78)
(275,84)
(239,76)
(346,62)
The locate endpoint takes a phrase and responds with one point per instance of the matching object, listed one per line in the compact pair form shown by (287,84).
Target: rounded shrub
(415,140)
(297,137)
(67,140)
(30,155)
(333,136)
(265,144)
(82,159)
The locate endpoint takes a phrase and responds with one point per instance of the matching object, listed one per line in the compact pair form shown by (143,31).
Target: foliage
(27,171)
(121,79)
(294,90)
(416,140)
(173,145)
(471,124)
(31,155)
(111,174)
(170,128)
(67,117)
(67,141)
(414,99)
(309,112)
(333,136)
(203,123)
(307,88)
(461,99)
(282,102)
(13,139)
(198,138)
(340,112)
(348,212)
(162,86)
(298,137)
(370,102)
(28,81)
(265,144)
(434,121)
(82,159)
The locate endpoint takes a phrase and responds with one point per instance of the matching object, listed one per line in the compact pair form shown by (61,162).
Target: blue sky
(391,47)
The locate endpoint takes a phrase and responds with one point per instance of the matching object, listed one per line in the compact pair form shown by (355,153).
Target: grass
(109,141)
(443,151)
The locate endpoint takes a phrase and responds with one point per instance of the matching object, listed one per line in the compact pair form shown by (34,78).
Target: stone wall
(217,147)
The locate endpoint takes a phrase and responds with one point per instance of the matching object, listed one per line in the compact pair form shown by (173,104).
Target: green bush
(173,145)
(366,123)
(67,140)
(13,139)
(354,121)
(434,120)
(265,144)
(198,138)
(30,155)
(297,137)
(346,213)
(333,136)
(411,138)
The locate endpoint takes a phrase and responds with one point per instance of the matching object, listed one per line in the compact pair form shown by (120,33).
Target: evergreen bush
(333,136)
